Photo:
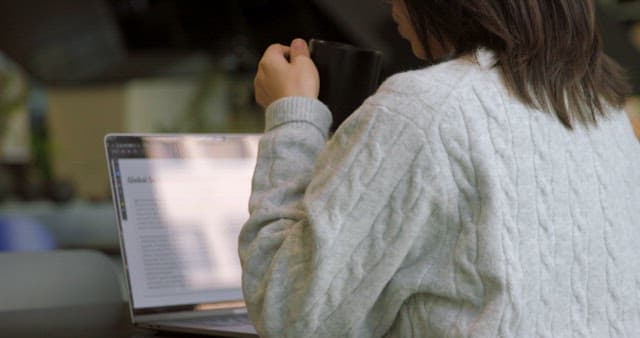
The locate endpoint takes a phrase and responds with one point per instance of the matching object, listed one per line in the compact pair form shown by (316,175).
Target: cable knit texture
(443,207)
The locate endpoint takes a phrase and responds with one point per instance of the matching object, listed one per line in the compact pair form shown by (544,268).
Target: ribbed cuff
(298,109)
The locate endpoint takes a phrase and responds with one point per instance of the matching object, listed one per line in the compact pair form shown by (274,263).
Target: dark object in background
(617,44)
(69,42)
(60,191)
(348,75)
(21,181)
(61,41)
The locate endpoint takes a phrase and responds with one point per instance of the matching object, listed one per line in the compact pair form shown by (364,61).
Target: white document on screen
(182,226)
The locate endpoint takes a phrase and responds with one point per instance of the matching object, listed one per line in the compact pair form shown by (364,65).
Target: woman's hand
(286,71)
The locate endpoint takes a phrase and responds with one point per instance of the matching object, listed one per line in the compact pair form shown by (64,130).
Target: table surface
(109,320)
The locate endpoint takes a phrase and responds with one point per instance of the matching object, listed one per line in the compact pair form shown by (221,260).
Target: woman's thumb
(299,48)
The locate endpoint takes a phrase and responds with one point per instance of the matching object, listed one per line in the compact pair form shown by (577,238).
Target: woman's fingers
(285,71)
(299,48)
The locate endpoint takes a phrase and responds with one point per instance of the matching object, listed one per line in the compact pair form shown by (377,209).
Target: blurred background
(72,71)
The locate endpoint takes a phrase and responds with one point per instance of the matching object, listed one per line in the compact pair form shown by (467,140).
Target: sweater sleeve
(330,222)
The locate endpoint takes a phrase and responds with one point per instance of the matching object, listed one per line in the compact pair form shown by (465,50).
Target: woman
(492,195)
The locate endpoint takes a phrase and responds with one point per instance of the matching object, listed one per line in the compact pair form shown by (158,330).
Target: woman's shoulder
(444,78)
(433,91)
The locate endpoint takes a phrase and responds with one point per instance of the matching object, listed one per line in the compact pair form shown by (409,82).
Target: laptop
(180,201)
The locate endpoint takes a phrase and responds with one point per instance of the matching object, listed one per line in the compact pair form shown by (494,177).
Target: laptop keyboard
(234,319)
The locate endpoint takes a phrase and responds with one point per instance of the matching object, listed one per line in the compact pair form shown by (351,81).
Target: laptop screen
(180,202)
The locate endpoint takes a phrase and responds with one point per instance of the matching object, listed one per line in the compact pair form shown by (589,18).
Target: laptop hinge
(199,310)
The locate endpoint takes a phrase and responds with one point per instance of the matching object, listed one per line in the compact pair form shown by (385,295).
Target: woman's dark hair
(549,51)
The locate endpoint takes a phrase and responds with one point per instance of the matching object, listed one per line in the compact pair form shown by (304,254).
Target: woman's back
(536,226)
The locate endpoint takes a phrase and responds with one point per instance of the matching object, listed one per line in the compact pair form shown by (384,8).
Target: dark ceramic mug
(348,75)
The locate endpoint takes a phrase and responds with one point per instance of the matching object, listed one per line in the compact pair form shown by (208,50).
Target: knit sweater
(443,207)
